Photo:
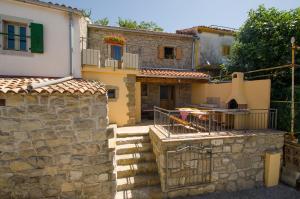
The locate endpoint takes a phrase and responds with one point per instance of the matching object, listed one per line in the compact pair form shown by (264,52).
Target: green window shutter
(37,38)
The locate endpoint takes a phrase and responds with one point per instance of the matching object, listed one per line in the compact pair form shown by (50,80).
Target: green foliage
(102,22)
(87,13)
(264,39)
(132,24)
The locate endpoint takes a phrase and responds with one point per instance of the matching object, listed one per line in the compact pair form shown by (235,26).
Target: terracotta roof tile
(73,86)
(166,73)
(52,5)
(194,30)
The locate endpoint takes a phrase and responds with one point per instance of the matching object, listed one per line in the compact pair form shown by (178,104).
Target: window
(15,36)
(225,50)
(2,102)
(111,93)
(169,53)
(144,89)
(23,45)
(116,52)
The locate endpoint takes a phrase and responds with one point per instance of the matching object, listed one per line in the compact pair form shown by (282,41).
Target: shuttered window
(160,52)
(10,37)
(178,53)
(23,43)
(116,52)
(37,38)
(225,50)
(14,36)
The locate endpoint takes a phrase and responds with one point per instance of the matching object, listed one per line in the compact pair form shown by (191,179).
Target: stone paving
(279,192)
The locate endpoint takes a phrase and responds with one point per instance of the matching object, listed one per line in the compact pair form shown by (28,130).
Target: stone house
(214,45)
(155,69)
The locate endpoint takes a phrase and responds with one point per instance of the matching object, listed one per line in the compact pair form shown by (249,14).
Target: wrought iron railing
(174,122)
(188,166)
(15,42)
(97,53)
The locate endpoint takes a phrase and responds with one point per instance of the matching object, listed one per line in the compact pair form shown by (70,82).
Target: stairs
(137,175)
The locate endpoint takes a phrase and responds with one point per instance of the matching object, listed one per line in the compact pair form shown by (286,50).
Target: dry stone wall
(237,161)
(55,146)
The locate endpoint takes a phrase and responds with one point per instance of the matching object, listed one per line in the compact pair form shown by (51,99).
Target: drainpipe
(71,43)
(195,38)
(33,86)
(193,54)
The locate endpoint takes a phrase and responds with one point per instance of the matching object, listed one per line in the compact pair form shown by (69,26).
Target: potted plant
(115,40)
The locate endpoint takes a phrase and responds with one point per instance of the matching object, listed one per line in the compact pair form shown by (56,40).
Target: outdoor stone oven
(54,140)
(237,98)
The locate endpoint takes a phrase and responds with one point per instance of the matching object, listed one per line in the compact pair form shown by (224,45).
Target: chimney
(237,97)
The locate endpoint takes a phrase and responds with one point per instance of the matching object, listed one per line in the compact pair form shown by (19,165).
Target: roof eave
(139,31)
(53,6)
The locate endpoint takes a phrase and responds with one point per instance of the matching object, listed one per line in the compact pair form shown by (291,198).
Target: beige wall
(118,110)
(54,62)
(257,93)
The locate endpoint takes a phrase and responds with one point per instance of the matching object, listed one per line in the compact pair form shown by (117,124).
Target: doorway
(167,97)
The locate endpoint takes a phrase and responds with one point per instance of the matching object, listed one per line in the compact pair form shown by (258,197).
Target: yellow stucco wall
(257,93)
(138,102)
(117,108)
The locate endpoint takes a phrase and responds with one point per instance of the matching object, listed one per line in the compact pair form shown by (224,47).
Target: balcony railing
(95,52)
(176,122)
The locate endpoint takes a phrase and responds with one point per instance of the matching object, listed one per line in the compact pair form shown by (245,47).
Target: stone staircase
(137,175)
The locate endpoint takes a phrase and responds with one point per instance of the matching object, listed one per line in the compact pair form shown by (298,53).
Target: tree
(132,24)
(263,42)
(86,13)
(264,39)
(102,22)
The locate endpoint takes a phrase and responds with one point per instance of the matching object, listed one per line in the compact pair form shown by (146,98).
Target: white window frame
(5,19)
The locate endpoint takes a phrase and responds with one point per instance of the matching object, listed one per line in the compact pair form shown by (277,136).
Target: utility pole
(293,89)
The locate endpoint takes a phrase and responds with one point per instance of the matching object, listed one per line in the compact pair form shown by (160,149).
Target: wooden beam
(169,80)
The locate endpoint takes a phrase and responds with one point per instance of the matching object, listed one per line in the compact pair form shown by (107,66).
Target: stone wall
(146,45)
(237,161)
(130,85)
(55,146)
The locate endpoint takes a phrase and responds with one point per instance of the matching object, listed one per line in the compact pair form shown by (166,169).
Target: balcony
(97,53)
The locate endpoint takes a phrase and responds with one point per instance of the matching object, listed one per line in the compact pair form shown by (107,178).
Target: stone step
(137,181)
(149,192)
(133,140)
(131,134)
(133,148)
(134,158)
(132,131)
(124,171)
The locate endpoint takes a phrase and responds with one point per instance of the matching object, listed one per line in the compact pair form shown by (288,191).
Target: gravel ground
(279,192)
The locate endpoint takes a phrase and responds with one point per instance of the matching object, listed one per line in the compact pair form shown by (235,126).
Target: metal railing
(188,166)
(174,122)
(97,53)
(19,42)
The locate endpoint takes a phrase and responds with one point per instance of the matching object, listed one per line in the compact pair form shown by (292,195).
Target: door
(167,97)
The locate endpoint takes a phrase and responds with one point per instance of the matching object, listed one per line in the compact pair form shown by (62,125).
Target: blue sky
(177,14)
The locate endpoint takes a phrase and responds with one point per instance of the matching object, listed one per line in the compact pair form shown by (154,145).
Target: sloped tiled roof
(72,86)
(168,73)
(213,29)
(52,5)
(141,31)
